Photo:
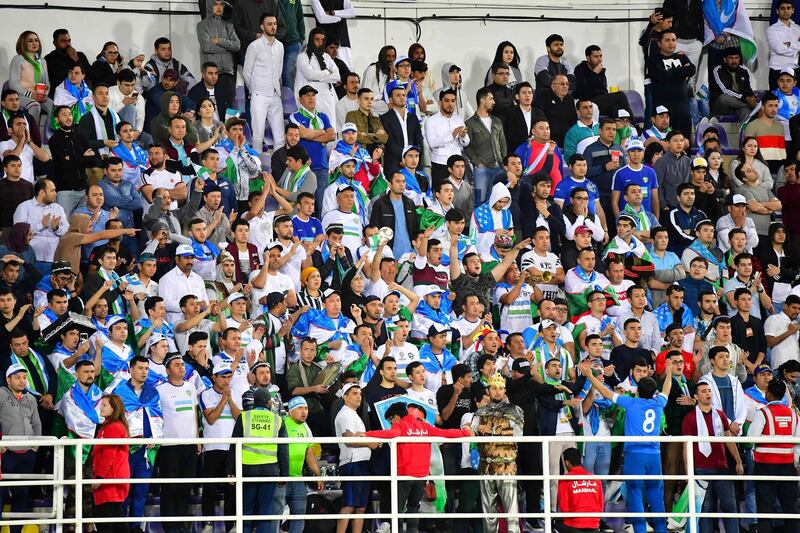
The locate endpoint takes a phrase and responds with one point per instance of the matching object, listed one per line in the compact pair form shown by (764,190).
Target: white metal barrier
(57,519)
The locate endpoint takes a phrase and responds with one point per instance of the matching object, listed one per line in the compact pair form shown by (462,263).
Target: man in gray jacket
(218,42)
(487,146)
(672,169)
(19,418)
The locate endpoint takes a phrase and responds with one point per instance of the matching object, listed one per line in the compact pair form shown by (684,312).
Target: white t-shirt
(239,383)
(160,179)
(550,262)
(223,427)
(403,355)
(353,228)
(776,325)
(293,267)
(517,315)
(426,397)
(275,283)
(465,327)
(178,406)
(26,156)
(348,420)
(261,231)
(182,338)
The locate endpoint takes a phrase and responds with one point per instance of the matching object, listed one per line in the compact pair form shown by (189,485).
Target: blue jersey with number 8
(642,419)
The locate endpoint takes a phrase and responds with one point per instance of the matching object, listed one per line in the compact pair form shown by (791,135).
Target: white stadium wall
(470,44)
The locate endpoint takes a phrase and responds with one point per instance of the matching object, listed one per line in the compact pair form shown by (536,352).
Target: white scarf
(702,429)
(100,126)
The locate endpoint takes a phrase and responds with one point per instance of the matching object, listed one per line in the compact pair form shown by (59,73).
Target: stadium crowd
(392,256)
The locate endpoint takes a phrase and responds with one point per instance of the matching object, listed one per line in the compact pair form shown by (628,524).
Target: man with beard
(498,459)
(730,87)
(487,144)
(71,156)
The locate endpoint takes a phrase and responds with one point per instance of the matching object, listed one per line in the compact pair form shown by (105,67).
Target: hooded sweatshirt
(220,53)
(414,459)
(159,127)
(141,73)
(463,107)
(487,219)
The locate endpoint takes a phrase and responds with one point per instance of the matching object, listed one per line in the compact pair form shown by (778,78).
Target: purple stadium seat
(723,139)
(289,103)
(637,105)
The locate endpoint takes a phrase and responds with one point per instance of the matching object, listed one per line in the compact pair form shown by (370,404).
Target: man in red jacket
(413,459)
(579,496)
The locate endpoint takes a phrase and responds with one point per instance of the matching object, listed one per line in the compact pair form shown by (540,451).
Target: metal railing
(78,485)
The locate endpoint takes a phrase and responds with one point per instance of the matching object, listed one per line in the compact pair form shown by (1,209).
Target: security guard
(260,459)
(776,419)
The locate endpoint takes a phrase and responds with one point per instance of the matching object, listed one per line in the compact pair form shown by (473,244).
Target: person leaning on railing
(259,459)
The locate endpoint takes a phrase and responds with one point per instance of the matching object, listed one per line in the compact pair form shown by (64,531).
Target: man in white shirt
(179,282)
(21,145)
(446,134)
(736,218)
(293,254)
(178,401)
(128,103)
(348,102)
(158,177)
(268,279)
(47,220)
(784,43)
(781,331)
(262,71)
(351,222)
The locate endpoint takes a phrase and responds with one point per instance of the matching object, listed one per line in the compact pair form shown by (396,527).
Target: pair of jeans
(18,463)
(718,491)
(483,177)
(294,494)
(110,510)
(597,458)
(137,494)
(322,184)
(644,464)
(257,498)
(290,53)
(69,200)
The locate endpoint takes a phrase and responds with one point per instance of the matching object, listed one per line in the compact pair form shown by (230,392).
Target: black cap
(260,398)
(454,68)
(334,227)
(732,51)
(274,298)
(305,89)
(280,219)
(371,298)
(172,356)
(521,365)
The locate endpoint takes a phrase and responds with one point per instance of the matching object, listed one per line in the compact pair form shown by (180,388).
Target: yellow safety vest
(260,423)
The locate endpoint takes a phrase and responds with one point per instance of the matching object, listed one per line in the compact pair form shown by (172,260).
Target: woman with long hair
(317,69)
(378,74)
(416,52)
(506,53)
(722,182)
(781,263)
(27,75)
(110,461)
(653,153)
(750,154)
(109,62)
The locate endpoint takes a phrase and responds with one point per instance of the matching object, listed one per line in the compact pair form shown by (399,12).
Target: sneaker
(713,121)
(208,528)
(703,120)
(628,528)
(605,528)
(649,528)
(384,527)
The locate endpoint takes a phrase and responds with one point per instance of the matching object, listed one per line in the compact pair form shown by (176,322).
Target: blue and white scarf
(200,251)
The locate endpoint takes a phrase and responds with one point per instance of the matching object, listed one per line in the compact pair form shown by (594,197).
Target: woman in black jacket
(781,263)
(109,62)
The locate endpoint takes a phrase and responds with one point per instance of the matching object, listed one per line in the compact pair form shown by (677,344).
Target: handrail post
(78,485)
(693,512)
(548,525)
(393,482)
(58,485)
(239,488)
